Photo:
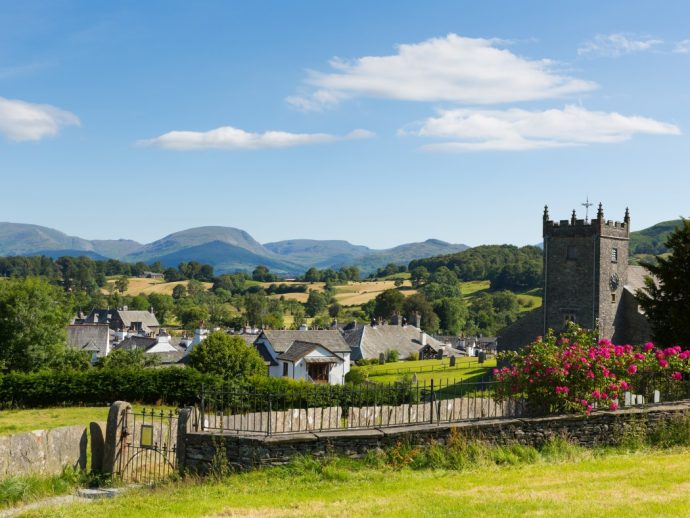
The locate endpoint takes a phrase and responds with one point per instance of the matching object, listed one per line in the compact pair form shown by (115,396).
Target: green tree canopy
(667,301)
(33,320)
(388,303)
(227,356)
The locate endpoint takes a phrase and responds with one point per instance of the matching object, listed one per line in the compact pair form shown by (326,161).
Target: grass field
(469,288)
(647,483)
(466,369)
(351,294)
(138,285)
(16,421)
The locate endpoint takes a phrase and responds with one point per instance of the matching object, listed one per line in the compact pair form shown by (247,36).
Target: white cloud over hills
(452,69)
(520,130)
(228,137)
(24,121)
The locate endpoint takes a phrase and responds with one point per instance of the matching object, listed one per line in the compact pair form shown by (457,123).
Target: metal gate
(148,446)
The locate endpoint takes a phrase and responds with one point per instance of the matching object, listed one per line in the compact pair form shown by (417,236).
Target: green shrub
(673,432)
(392,355)
(356,376)
(413,357)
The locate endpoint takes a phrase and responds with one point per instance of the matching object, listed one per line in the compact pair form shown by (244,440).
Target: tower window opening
(614,255)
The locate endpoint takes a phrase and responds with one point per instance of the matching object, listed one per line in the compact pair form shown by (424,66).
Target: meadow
(509,481)
(138,285)
(466,369)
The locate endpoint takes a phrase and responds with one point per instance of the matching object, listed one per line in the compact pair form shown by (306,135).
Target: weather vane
(587,204)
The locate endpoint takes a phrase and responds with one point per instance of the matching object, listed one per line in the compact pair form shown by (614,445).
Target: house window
(571,254)
(614,255)
(285,368)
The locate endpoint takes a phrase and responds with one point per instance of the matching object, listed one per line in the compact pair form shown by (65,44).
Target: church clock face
(614,281)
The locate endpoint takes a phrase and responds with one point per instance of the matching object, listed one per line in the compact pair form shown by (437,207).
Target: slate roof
(636,276)
(330,339)
(300,349)
(136,342)
(263,351)
(145,343)
(370,341)
(89,337)
(147,319)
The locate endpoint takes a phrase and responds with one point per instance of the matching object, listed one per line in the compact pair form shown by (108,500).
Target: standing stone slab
(97,434)
(113,435)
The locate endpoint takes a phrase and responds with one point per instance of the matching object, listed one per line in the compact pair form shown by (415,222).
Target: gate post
(114,436)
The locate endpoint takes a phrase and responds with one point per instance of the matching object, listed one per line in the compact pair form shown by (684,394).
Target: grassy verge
(558,480)
(466,369)
(15,490)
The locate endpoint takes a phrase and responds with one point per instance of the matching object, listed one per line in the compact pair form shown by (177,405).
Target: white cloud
(520,130)
(682,47)
(453,68)
(614,45)
(228,137)
(20,120)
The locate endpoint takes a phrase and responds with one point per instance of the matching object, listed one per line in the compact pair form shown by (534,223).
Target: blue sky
(375,122)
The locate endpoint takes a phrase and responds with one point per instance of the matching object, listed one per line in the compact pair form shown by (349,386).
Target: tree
(122,283)
(227,356)
(126,359)
(192,316)
(179,292)
(418,303)
(334,310)
(316,303)
(263,274)
(666,302)
(452,314)
(312,275)
(256,308)
(388,303)
(162,305)
(33,321)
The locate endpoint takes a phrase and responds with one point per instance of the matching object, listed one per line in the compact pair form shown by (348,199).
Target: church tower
(585,269)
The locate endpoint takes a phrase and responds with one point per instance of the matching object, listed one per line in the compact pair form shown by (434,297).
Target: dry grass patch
(139,285)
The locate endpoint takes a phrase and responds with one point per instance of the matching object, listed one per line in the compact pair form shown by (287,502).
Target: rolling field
(586,484)
(138,285)
(358,293)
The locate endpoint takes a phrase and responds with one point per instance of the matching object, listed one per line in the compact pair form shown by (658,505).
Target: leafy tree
(418,303)
(139,303)
(126,359)
(388,303)
(162,305)
(256,308)
(312,275)
(667,304)
(179,292)
(334,310)
(191,316)
(316,303)
(263,274)
(227,356)
(232,282)
(195,287)
(33,320)
(122,283)
(452,314)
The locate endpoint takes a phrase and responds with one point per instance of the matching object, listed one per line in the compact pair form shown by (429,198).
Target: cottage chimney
(151,309)
(417,320)
(422,338)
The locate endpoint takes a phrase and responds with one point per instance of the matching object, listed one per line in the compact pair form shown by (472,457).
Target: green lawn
(426,370)
(651,483)
(471,287)
(16,421)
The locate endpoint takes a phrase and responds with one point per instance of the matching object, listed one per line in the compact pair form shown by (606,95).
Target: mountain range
(230,249)
(226,249)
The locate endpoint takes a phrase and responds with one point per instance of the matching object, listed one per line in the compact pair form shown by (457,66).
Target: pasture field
(139,285)
(523,482)
(358,293)
(469,288)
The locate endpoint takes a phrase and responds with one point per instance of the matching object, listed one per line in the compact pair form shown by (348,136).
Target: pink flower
(648,346)
(632,369)
(625,385)
(613,405)
(588,409)
(663,364)
(596,394)
(639,356)
(584,402)
(677,376)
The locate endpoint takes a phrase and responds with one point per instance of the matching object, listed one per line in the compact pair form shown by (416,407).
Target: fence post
(268,428)
(203,410)
(431,417)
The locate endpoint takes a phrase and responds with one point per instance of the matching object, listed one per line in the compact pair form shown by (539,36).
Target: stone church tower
(587,280)
(585,270)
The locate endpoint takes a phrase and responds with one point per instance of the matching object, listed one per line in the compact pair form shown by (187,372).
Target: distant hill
(650,241)
(24,239)
(226,249)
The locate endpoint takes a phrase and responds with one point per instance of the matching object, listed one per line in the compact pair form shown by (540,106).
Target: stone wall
(44,452)
(246,452)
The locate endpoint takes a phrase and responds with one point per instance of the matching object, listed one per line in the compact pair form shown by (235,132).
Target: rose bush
(577,372)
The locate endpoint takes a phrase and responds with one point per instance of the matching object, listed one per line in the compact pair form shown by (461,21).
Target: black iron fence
(324,408)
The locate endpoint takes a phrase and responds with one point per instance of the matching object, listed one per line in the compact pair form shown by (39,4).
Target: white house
(319,356)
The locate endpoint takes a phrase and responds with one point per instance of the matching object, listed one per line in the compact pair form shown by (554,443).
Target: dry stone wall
(244,451)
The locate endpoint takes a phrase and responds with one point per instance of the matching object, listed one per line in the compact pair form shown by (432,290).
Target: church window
(572,252)
(569,317)
(614,255)
(285,368)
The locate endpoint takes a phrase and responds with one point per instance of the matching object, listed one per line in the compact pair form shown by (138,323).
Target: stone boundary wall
(42,452)
(249,451)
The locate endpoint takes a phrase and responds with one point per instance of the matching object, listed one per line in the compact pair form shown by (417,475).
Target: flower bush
(577,372)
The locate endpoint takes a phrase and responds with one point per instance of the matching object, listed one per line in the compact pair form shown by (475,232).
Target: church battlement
(575,227)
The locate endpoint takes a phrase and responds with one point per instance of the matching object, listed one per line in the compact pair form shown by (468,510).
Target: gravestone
(452,361)
(382,358)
